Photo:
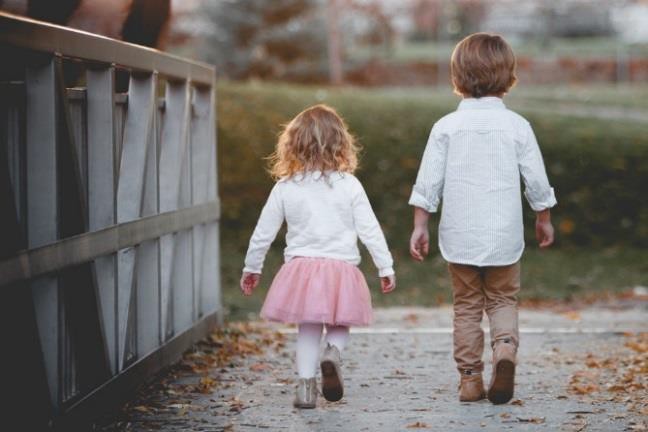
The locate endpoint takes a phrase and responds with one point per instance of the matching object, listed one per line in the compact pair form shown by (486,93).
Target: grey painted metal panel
(42,210)
(101,191)
(138,128)
(40,36)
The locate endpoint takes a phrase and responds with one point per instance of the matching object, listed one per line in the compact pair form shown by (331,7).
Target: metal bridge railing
(109,258)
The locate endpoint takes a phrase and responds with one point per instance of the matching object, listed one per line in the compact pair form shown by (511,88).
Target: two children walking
(472,163)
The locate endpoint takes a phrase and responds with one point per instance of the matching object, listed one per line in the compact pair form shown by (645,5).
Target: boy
(473,160)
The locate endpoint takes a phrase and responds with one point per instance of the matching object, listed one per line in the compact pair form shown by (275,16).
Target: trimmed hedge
(598,168)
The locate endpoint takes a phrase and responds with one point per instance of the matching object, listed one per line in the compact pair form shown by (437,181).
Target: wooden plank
(173,146)
(41,36)
(183,284)
(101,191)
(42,207)
(130,190)
(88,364)
(211,295)
(75,250)
(203,160)
(147,298)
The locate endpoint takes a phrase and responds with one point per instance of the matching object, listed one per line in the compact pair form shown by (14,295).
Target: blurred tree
(268,38)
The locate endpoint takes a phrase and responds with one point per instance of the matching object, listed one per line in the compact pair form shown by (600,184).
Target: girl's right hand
(249,281)
(388,283)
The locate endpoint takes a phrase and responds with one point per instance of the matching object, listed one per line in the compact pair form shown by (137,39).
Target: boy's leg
(501,285)
(468,303)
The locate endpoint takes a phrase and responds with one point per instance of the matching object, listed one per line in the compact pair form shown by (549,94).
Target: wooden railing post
(42,207)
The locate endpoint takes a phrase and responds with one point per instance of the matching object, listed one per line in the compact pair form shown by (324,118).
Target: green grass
(558,274)
(597,167)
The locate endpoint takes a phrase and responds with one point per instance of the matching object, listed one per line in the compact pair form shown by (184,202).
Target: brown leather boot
(305,393)
(471,388)
(502,381)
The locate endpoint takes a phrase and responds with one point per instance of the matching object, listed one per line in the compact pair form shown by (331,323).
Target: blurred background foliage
(597,167)
(583,74)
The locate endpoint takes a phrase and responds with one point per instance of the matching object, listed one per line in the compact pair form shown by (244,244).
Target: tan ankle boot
(471,388)
(306,394)
(332,385)
(502,381)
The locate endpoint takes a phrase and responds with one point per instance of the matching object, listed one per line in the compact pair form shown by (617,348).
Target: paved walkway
(400,376)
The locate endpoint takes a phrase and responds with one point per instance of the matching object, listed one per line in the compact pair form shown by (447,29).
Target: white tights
(308,345)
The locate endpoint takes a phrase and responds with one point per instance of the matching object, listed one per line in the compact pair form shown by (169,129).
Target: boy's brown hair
(483,64)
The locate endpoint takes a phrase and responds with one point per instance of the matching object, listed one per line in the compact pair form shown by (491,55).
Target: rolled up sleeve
(538,192)
(428,189)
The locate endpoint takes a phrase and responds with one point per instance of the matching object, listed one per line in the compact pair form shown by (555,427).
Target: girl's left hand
(249,281)
(388,283)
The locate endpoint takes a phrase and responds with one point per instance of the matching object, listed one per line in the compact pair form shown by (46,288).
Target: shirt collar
(487,102)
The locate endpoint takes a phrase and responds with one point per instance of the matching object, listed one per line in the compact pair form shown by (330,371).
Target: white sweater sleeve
(270,221)
(369,231)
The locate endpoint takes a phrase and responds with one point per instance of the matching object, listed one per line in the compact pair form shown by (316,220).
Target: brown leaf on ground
(411,318)
(142,409)
(572,315)
(620,375)
(206,385)
(533,420)
(517,402)
(418,425)
(260,367)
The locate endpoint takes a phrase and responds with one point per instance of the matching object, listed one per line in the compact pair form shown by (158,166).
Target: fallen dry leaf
(260,367)
(418,425)
(533,420)
(572,315)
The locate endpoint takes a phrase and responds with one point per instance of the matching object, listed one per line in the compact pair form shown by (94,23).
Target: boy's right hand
(544,229)
(388,283)
(419,243)
(249,281)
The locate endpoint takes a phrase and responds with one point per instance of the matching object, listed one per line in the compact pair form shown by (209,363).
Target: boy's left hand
(420,243)
(249,281)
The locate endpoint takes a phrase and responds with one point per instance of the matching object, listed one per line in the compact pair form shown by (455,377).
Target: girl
(326,210)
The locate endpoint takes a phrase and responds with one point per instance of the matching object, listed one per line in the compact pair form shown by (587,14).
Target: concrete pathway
(400,376)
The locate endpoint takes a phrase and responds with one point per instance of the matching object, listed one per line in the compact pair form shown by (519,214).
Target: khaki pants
(475,289)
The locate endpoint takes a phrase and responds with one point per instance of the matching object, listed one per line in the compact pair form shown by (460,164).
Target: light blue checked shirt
(473,161)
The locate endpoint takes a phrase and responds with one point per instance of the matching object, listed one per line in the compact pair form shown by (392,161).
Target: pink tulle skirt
(318,290)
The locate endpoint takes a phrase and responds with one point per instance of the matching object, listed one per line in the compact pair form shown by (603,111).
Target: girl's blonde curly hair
(317,139)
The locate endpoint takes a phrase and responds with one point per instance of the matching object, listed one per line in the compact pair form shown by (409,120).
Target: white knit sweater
(325,215)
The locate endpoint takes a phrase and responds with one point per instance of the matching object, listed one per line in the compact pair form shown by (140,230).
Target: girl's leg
(332,382)
(337,335)
(308,345)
